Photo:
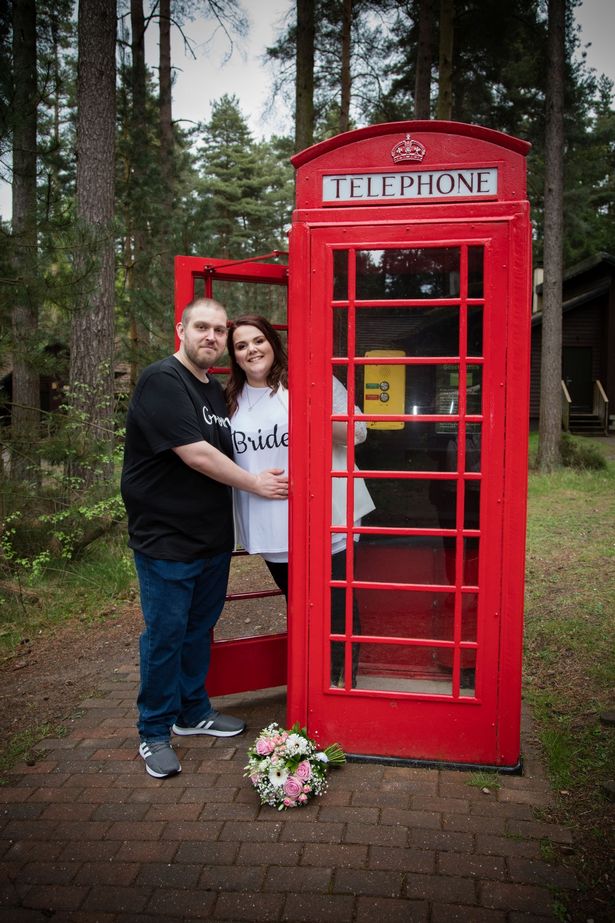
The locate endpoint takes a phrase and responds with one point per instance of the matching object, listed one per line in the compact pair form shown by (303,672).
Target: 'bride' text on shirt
(272,440)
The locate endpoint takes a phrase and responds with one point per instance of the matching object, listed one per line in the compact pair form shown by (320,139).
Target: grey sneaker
(160,758)
(216,725)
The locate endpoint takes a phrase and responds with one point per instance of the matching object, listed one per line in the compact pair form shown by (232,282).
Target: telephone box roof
(478,132)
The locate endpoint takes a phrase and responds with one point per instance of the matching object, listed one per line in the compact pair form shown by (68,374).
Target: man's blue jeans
(181,603)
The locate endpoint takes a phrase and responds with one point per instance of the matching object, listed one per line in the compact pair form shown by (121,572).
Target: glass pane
(475,330)
(362,500)
(412,504)
(418,447)
(341,373)
(340,275)
(397,668)
(338,666)
(474,390)
(473,443)
(469,618)
(475,272)
(467,677)
(470,561)
(443,619)
(427,272)
(399,559)
(406,614)
(340,332)
(471,513)
(415,331)
(339,487)
(339,598)
(467,658)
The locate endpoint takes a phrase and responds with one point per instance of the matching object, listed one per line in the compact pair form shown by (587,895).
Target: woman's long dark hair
(278,374)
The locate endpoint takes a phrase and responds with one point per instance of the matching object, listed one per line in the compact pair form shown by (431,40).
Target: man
(176,486)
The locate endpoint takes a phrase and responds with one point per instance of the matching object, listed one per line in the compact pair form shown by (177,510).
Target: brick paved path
(86,835)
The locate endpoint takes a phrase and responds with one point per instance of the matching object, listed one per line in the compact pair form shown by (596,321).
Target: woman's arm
(340,405)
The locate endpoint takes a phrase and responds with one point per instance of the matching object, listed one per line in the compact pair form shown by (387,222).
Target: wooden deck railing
(566,402)
(601,406)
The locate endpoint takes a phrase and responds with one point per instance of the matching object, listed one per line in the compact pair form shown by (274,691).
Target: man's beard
(195,355)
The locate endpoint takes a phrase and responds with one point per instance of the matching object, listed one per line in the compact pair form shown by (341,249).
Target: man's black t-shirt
(175,513)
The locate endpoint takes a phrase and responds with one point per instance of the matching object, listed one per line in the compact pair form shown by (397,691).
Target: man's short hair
(196,303)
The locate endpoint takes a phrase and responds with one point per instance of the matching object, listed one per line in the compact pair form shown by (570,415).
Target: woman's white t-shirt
(260,440)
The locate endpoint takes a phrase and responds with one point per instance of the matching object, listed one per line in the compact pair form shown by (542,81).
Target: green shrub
(581,454)
(70,497)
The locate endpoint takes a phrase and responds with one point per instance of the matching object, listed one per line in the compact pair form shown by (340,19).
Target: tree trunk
(136,270)
(422,86)
(167,143)
(25,411)
(92,327)
(304,95)
(346,78)
(550,425)
(445,91)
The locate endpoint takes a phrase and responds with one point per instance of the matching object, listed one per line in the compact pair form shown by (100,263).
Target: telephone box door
(253,661)
(408,654)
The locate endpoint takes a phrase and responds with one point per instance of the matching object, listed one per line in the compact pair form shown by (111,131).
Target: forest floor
(49,674)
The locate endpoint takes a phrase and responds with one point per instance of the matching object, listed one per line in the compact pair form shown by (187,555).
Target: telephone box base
(516,770)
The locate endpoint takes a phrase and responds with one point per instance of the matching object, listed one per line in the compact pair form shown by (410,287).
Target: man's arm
(272,484)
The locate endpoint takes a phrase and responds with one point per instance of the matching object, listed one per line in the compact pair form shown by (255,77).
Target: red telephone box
(410,284)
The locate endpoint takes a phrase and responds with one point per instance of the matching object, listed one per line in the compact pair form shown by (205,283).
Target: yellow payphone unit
(384,389)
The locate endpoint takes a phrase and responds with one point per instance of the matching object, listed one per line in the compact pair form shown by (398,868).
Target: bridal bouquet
(287,767)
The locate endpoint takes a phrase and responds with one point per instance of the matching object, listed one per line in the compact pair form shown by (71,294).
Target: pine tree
(551,353)
(25,303)
(238,183)
(304,82)
(424,60)
(92,326)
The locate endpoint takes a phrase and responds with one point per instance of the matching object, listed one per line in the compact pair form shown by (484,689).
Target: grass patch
(21,747)
(87,589)
(482,780)
(570,658)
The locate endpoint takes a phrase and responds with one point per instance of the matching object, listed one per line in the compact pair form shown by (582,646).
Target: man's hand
(272,484)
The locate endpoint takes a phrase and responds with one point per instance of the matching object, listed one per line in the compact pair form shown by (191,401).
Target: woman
(257,397)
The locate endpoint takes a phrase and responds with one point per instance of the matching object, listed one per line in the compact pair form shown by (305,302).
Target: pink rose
(304,771)
(293,787)
(303,798)
(264,746)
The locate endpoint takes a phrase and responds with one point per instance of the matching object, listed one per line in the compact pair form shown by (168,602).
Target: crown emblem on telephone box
(408,149)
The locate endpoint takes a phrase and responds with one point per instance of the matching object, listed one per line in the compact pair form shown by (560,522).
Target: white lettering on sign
(423,184)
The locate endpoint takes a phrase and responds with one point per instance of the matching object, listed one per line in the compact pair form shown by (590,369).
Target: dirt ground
(44,682)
